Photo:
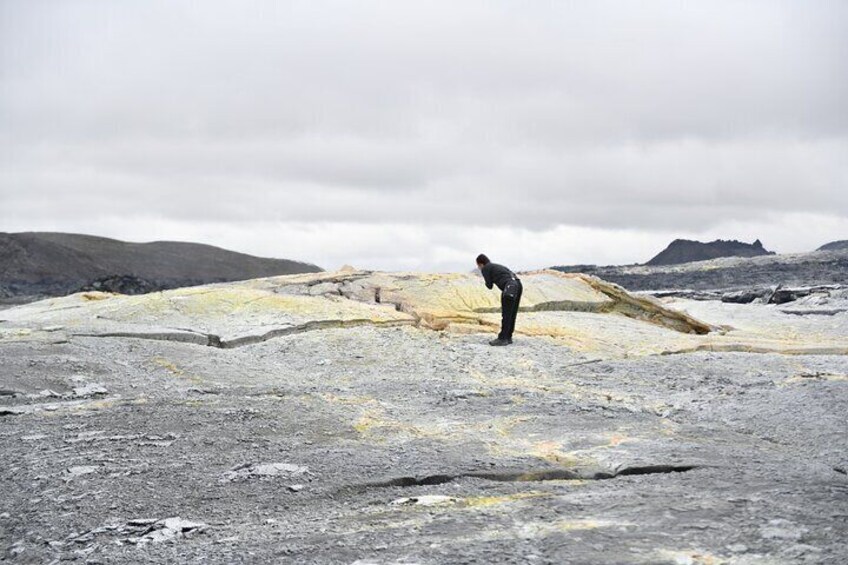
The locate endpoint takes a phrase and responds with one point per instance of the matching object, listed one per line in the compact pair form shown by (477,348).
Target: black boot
(499,342)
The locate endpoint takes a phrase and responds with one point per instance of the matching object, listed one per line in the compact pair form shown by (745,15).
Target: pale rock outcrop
(579,311)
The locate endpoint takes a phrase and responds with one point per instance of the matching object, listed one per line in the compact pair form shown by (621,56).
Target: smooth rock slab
(230,315)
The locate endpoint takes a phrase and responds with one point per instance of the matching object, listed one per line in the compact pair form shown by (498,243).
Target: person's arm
(487,276)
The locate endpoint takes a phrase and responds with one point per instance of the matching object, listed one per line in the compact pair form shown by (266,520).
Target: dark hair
(482,260)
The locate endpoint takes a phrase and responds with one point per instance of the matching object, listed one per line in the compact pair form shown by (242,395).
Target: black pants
(509,309)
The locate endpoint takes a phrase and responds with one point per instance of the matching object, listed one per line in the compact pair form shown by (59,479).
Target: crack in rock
(532,475)
(213,340)
(307,327)
(744,348)
(195,338)
(654,470)
(817,312)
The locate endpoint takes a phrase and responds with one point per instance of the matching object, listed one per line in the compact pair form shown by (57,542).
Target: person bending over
(511,289)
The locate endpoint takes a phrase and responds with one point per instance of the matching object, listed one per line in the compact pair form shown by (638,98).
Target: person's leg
(506,311)
(513,314)
(514,317)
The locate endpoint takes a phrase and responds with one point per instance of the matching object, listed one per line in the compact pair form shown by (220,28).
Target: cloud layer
(416,133)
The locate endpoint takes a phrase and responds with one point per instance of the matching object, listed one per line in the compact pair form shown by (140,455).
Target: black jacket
(497,275)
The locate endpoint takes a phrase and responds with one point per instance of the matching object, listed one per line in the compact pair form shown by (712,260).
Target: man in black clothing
(511,290)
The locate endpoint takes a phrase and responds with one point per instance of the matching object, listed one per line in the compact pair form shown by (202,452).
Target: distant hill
(834,246)
(686,251)
(53,264)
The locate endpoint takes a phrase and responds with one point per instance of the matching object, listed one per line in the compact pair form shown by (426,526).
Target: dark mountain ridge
(822,267)
(687,251)
(53,264)
(840,245)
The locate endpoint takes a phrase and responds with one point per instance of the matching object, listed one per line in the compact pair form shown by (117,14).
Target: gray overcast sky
(413,135)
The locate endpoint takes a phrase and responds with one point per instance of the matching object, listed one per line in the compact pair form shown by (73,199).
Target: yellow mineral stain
(544,529)
(552,451)
(351,400)
(373,420)
(175,370)
(96,405)
(813,377)
(485,501)
(97,295)
(166,364)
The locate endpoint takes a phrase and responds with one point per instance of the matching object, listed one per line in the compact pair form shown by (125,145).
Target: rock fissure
(820,312)
(529,475)
(745,348)
(214,340)
(307,327)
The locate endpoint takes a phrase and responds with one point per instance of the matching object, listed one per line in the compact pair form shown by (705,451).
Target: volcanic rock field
(361,417)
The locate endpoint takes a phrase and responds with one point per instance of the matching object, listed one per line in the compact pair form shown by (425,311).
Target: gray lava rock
(264,470)
(167,529)
(78,471)
(92,389)
(782,530)
(746,296)
(424,500)
(121,284)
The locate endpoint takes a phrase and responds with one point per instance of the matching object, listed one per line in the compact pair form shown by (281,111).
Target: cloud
(515,120)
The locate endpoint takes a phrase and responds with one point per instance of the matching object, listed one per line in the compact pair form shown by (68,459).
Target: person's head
(482,261)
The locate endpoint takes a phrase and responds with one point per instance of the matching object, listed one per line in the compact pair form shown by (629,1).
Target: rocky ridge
(687,251)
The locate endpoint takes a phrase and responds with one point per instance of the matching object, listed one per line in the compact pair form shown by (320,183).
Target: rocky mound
(54,264)
(686,251)
(841,245)
(231,315)
(580,311)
